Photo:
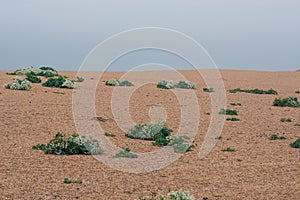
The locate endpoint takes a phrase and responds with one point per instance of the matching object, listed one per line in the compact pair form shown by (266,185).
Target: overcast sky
(238,34)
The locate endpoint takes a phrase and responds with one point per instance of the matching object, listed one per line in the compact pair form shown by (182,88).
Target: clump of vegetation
(109,135)
(69,181)
(287,102)
(228,149)
(165,85)
(173,195)
(255,91)
(236,104)
(227,112)
(67,145)
(208,89)
(232,119)
(276,137)
(286,120)
(296,144)
(297,92)
(19,84)
(60,82)
(33,78)
(115,82)
(78,79)
(42,71)
(185,85)
(177,142)
(126,153)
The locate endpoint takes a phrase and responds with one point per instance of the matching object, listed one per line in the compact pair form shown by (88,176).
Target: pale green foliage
(18,84)
(173,195)
(165,85)
(146,131)
(185,85)
(78,79)
(115,82)
(68,84)
(43,71)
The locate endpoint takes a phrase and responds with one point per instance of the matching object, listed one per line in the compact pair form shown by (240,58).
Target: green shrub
(67,145)
(276,137)
(208,89)
(296,144)
(297,92)
(177,142)
(68,181)
(60,82)
(255,91)
(126,153)
(109,135)
(19,84)
(286,120)
(165,85)
(43,71)
(185,85)
(236,104)
(78,79)
(232,119)
(287,102)
(33,79)
(173,195)
(228,149)
(115,82)
(227,112)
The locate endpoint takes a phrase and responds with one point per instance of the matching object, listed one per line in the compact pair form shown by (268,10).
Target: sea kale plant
(173,195)
(33,78)
(185,85)
(227,112)
(68,145)
(287,102)
(115,82)
(78,79)
(42,71)
(126,154)
(60,82)
(255,91)
(19,84)
(165,85)
(296,144)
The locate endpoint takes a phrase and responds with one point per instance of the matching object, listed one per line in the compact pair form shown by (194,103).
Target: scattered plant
(286,120)
(42,71)
(236,104)
(185,85)
(67,145)
(208,89)
(126,153)
(227,112)
(255,91)
(60,82)
(232,119)
(228,149)
(173,195)
(78,79)
(165,85)
(115,82)
(177,142)
(125,83)
(68,181)
(297,92)
(287,102)
(276,137)
(109,134)
(19,84)
(296,144)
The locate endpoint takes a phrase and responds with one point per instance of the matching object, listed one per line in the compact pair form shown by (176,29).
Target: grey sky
(238,34)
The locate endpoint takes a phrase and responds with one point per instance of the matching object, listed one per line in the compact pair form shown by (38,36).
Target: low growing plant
(173,195)
(296,144)
(228,149)
(287,102)
(297,92)
(78,79)
(227,112)
(236,104)
(276,137)
(42,71)
(33,78)
(126,153)
(69,181)
(286,120)
(68,145)
(19,84)
(185,85)
(165,85)
(255,91)
(208,89)
(232,119)
(115,82)
(60,82)
(109,134)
